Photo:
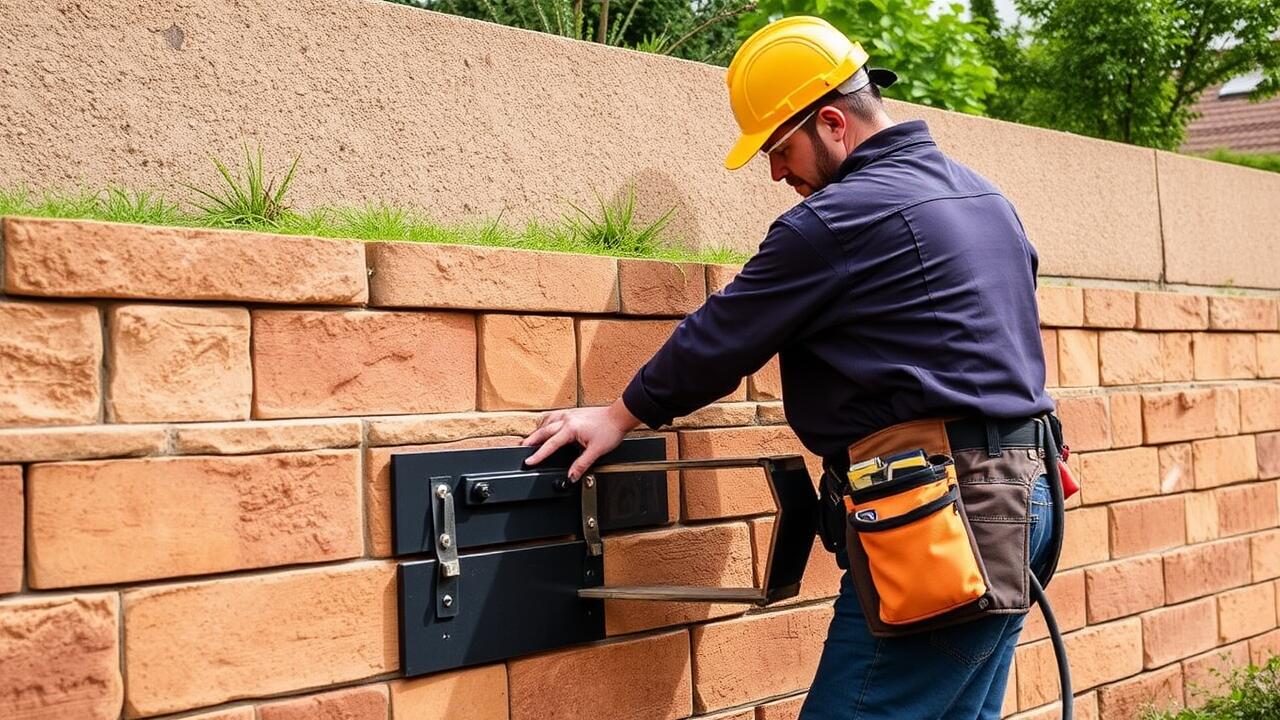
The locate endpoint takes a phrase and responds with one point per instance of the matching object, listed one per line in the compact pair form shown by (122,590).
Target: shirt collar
(888,140)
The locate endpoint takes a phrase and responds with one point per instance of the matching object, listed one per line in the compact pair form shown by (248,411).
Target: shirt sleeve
(737,330)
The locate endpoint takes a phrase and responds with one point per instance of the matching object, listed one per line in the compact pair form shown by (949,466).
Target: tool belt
(951,542)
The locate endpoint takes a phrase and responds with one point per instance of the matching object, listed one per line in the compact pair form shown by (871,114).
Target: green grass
(1252,693)
(1258,161)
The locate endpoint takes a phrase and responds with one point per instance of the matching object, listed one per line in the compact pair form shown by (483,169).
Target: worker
(899,296)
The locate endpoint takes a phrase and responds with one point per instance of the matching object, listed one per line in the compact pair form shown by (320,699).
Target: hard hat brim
(745,148)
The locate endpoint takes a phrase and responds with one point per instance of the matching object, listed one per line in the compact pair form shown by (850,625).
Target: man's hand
(597,429)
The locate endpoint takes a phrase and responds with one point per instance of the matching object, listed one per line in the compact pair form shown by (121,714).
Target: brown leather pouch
(996,497)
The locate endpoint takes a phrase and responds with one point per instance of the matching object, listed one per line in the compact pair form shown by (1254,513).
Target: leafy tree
(1127,70)
(937,52)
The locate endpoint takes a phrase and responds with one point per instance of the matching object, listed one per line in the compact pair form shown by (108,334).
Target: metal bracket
(590,517)
(446,542)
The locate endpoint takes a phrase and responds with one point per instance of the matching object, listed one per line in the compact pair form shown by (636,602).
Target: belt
(992,434)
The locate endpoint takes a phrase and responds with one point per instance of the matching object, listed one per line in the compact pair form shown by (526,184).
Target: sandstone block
(1159,690)
(265,436)
(1241,313)
(659,287)
(1178,415)
(1205,569)
(1129,358)
(1147,525)
(1223,461)
(11,528)
(1203,675)
(1264,647)
(732,493)
(610,352)
(85,442)
(447,427)
(1177,471)
(49,362)
(1177,632)
(1078,358)
(1269,355)
(1202,516)
(1246,508)
(1226,402)
(1264,549)
(1109,308)
(471,694)
(719,276)
(788,709)
(1119,474)
(1049,341)
(1122,588)
(1084,540)
(1177,361)
(1126,419)
(1225,356)
(527,362)
(766,383)
(1260,408)
(821,573)
(1268,451)
(1245,612)
(1086,422)
(1067,597)
(366,702)
(1060,306)
(1172,311)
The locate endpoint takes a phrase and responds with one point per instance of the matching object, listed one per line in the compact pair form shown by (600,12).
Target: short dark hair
(863,103)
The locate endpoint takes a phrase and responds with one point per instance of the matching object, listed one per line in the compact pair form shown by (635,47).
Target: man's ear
(836,123)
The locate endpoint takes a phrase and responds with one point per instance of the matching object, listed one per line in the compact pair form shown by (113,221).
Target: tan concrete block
(61,657)
(788,709)
(1228,312)
(732,493)
(1264,647)
(1067,598)
(1177,632)
(659,287)
(1086,422)
(1246,508)
(610,352)
(1178,415)
(1268,451)
(318,364)
(1202,516)
(489,278)
(1177,361)
(471,694)
(1060,306)
(84,442)
(1226,402)
(447,427)
(1049,341)
(1245,612)
(1122,588)
(1205,569)
(1223,461)
(1203,675)
(721,414)
(1217,221)
(51,358)
(118,521)
(1084,538)
(1172,311)
(727,652)
(719,276)
(1225,356)
(1159,690)
(1177,471)
(821,573)
(1129,358)
(1126,419)
(326,625)
(1078,358)
(1264,549)
(1269,355)
(1148,525)
(766,383)
(265,436)
(704,555)
(11,528)
(527,362)
(1109,308)
(1118,474)
(551,685)
(81,258)
(178,363)
(1260,408)
(366,702)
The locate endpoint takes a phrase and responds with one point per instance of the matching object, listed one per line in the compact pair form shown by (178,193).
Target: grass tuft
(247,202)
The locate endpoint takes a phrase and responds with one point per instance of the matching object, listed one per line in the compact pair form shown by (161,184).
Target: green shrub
(1254,694)
(1259,161)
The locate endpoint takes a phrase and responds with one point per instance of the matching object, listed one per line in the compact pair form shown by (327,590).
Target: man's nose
(777,168)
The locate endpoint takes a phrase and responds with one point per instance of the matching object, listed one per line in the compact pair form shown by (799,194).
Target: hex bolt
(445,540)
(447,601)
(482,491)
(442,491)
(591,523)
(591,481)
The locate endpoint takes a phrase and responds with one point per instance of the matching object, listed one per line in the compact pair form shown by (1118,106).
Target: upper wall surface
(467,119)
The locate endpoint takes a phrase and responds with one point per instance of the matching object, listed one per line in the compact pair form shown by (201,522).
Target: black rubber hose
(1059,648)
(1051,566)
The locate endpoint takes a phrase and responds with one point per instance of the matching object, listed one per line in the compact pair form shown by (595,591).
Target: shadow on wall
(657,192)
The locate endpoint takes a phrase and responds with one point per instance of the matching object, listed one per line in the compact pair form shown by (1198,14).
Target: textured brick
(1246,612)
(123,520)
(1119,474)
(1269,355)
(1224,460)
(527,362)
(319,364)
(471,694)
(60,657)
(1178,415)
(447,427)
(770,414)
(1202,516)
(178,363)
(721,414)
(1078,358)
(78,258)
(552,685)
(11,528)
(1241,313)
(1177,471)
(1049,340)
(407,274)
(1010,704)
(1126,587)
(1260,408)
(1067,598)
(1204,675)
(1084,541)
(731,493)
(788,709)
(766,383)
(1147,525)
(1264,647)
(611,351)
(1225,356)
(1267,448)
(1060,306)
(50,356)
(1129,358)
(821,573)
(1109,308)
(366,702)
(1177,362)
(719,276)
(242,712)
(659,287)
(1086,708)
(1160,690)
(1246,508)
(1226,404)
(1206,569)
(326,625)
(1172,311)
(1264,549)
(1097,654)
(730,668)
(265,436)
(83,442)
(704,555)
(1177,632)
(1086,422)
(1126,419)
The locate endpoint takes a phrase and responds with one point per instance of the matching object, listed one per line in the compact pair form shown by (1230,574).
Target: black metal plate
(510,602)
(796,528)
(626,500)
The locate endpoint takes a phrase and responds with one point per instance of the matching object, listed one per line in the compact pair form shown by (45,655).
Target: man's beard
(828,164)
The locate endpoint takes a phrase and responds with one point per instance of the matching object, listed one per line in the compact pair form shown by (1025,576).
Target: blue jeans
(957,673)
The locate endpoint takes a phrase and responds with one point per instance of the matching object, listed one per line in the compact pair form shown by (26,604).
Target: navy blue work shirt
(905,289)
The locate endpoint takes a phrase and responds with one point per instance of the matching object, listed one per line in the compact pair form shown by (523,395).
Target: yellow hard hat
(783,68)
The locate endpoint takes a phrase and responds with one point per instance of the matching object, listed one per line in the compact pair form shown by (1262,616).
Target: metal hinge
(446,543)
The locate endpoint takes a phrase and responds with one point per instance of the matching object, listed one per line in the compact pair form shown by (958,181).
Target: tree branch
(708,23)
